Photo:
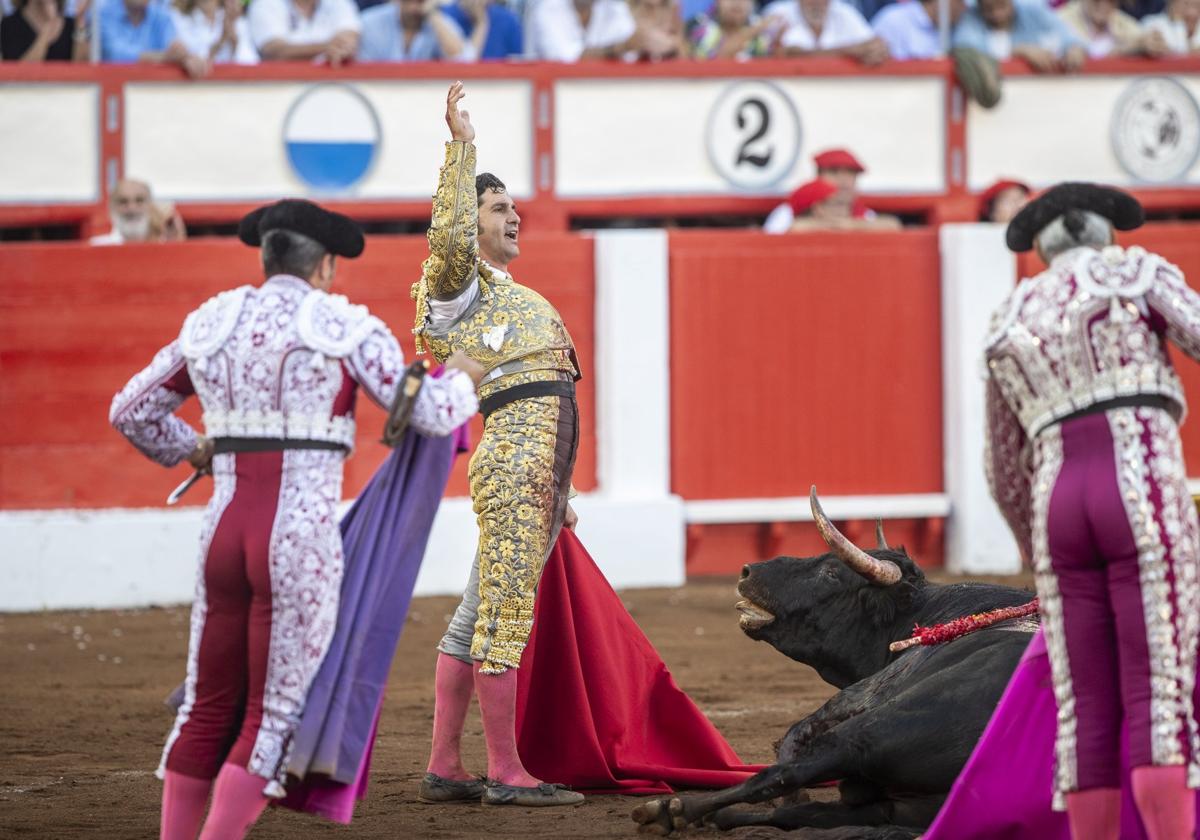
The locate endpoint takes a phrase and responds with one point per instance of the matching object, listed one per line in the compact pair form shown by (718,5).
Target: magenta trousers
(1116,555)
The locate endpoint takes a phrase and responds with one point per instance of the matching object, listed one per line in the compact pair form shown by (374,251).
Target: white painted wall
(40,116)
(598,156)
(224,140)
(978,273)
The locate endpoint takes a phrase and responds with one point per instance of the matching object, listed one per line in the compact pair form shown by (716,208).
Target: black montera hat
(1119,207)
(340,236)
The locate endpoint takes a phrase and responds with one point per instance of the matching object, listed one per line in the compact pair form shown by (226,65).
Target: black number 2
(745,155)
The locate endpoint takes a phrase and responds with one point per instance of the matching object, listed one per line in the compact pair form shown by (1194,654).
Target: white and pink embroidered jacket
(1093,327)
(281,360)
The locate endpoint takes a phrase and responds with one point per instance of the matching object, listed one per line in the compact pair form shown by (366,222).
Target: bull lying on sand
(903,724)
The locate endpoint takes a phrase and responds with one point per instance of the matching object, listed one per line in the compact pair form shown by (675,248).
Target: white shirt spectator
(196,33)
(113,237)
(557,35)
(844,26)
(272,20)
(1174,32)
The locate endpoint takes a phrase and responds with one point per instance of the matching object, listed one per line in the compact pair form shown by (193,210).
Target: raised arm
(143,410)
(453,249)
(1008,474)
(443,404)
(1176,308)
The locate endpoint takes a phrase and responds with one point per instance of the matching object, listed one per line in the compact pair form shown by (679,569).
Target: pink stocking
(453,685)
(1167,806)
(1095,814)
(237,802)
(183,802)
(498,707)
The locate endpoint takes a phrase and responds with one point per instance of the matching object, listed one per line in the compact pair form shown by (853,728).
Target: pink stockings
(454,683)
(1166,805)
(237,802)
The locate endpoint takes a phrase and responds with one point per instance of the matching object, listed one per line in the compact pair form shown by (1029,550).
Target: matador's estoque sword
(178,492)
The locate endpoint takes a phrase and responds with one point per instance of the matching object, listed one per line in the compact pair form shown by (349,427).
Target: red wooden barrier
(805,359)
(76,322)
(801,360)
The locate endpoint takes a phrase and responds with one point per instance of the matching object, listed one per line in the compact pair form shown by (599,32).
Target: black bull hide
(903,725)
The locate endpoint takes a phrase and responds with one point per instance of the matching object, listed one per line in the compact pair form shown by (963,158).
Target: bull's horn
(883,572)
(880,540)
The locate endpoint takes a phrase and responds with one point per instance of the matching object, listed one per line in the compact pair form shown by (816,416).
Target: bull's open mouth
(751,616)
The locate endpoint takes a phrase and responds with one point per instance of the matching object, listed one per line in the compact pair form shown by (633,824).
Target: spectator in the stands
(136,218)
(214,30)
(1024,29)
(826,27)
(575,30)
(142,31)
(814,206)
(1001,201)
(492,30)
(1106,30)
(305,30)
(910,27)
(411,30)
(732,31)
(662,18)
(841,169)
(40,30)
(1179,26)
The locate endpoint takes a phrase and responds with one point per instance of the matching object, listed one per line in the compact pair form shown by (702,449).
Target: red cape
(596,707)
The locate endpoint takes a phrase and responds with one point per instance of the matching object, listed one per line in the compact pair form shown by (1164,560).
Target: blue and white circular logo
(332,137)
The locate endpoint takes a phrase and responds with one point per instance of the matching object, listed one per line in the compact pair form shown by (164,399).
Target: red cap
(989,195)
(806,195)
(838,159)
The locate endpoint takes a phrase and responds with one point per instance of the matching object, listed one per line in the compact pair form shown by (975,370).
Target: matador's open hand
(459,121)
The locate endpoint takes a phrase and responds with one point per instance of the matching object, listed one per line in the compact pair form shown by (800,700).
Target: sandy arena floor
(82,721)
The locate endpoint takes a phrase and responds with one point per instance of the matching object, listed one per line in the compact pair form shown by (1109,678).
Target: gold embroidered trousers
(520,478)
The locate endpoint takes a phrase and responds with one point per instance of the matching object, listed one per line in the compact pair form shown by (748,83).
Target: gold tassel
(420,293)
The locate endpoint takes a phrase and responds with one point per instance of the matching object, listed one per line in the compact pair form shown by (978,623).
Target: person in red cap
(811,205)
(1002,200)
(847,210)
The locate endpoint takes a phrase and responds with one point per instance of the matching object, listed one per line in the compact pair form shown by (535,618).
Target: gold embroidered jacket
(510,329)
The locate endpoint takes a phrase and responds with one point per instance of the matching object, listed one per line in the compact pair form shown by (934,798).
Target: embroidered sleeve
(442,405)
(1009,475)
(143,410)
(1178,305)
(453,249)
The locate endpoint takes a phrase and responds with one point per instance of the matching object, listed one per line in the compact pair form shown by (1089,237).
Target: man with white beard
(136,218)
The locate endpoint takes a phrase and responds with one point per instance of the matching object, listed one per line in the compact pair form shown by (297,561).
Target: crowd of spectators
(1050,35)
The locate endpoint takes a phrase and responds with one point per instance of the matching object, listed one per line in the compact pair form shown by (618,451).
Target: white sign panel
(716,136)
(42,116)
(1131,131)
(231,141)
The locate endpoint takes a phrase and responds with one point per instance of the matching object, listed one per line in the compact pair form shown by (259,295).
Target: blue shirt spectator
(910,28)
(410,30)
(504,36)
(1022,28)
(130,29)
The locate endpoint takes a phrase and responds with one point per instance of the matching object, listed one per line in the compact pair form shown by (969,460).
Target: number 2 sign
(753,135)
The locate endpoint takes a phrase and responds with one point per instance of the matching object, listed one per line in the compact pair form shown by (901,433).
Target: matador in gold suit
(521,471)
(520,474)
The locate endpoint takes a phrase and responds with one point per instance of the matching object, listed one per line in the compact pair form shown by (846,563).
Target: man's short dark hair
(288,252)
(485,181)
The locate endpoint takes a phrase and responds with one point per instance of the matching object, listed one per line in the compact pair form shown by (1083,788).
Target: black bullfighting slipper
(542,795)
(435,789)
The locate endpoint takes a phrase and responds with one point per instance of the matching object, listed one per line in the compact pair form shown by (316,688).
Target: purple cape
(1005,790)
(384,535)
